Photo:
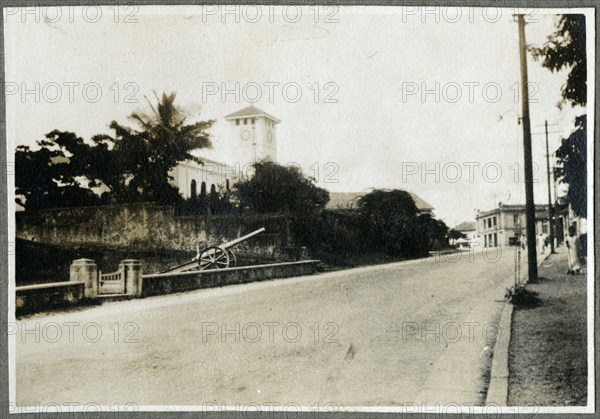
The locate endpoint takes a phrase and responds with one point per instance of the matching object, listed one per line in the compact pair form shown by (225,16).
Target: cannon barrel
(241,239)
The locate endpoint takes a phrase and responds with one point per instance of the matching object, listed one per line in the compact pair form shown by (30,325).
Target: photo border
(8,228)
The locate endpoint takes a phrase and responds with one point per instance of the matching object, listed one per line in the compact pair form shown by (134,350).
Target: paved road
(397,334)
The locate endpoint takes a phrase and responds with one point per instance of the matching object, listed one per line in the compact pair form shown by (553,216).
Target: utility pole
(528,164)
(550,209)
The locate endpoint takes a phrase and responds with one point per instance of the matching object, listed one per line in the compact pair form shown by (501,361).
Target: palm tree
(162,140)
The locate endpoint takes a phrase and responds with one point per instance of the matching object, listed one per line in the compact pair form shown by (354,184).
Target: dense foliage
(456,235)
(573,155)
(132,165)
(52,175)
(565,49)
(277,188)
(393,224)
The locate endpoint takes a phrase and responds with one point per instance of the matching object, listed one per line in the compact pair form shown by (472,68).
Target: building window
(193,189)
(485,240)
(253,120)
(495,240)
(245,121)
(227,184)
(544,228)
(213,189)
(237,121)
(494,218)
(203,189)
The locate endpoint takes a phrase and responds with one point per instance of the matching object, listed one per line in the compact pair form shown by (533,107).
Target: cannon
(219,257)
(214,257)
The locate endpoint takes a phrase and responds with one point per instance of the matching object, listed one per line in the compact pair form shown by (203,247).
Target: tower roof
(251,111)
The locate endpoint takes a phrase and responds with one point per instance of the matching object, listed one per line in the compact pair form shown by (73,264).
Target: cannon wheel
(213,258)
(232,259)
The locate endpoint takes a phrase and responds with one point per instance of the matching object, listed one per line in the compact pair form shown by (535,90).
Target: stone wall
(85,283)
(159,284)
(148,226)
(34,298)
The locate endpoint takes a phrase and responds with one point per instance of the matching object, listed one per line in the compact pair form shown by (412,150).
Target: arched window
(193,191)
(203,189)
(227,184)
(213,189)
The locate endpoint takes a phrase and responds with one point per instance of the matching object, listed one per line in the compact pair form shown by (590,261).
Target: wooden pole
(528,164)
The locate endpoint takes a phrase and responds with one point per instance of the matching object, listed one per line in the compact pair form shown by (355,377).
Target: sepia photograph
(299,210)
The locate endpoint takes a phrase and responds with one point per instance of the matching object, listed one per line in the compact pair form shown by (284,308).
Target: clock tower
(254,135)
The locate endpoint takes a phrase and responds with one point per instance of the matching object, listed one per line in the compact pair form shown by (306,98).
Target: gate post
(86,271)
(133,276)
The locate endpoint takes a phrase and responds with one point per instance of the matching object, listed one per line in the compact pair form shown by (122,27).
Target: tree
(391,217)
(573,155)
(132,166)
(436,231)
(277,188)
(146,155)
(456,235)
(566,49)
(394,225)
(53,175)
(380,207)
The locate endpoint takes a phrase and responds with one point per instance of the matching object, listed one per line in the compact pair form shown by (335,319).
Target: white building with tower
(252,137)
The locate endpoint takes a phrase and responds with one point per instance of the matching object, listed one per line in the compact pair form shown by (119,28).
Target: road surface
(418,332)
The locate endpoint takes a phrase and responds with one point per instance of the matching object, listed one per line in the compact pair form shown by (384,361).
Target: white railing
(113,276)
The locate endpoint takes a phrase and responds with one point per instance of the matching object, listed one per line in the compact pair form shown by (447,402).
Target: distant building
(469,229)
(342,201)
(505,225)
(252,138)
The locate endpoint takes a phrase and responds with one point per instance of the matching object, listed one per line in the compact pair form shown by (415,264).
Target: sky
(369,97)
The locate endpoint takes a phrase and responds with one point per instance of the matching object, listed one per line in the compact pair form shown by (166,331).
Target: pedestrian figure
(572,252)
(541,244)
(582,251)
